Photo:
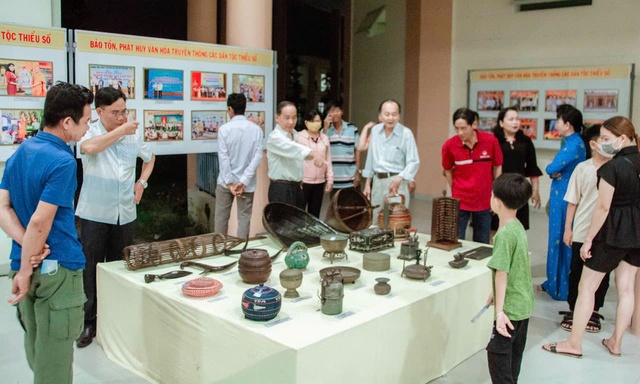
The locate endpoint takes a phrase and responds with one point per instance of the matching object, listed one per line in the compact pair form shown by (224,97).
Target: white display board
(600,92)
(39,60)
(181,115)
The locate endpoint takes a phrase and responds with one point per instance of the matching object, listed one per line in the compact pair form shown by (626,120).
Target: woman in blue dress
(569,126)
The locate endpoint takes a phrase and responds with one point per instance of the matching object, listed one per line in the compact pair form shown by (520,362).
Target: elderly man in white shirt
(239,154)
(109,195)
(392,159)
(285,157)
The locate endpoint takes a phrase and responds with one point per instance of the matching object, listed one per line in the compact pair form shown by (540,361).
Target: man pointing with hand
(109,194)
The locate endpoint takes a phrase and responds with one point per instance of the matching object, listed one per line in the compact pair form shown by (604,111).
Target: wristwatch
(143,183)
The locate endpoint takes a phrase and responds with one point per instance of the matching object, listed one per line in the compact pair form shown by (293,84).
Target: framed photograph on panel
(550,131)
(600,100)
(490,100)
(487,123)
(252,86)
(163,84)
(205,124)
(163,126)
(553,99)
(122,78)
(30,78)
(256,117)
(208,86)
(19,125)
(525,101)
(529,127)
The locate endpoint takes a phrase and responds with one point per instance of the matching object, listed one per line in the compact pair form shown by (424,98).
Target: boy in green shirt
(512,285)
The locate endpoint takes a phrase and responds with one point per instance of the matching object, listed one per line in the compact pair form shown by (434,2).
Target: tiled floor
(92,365)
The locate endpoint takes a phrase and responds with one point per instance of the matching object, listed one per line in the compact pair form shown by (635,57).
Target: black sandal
(567,320)
(594,325)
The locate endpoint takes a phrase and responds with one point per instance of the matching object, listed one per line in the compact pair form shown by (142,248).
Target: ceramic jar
(383,287)
(291,279)
(395,217)
(297,256)
(261,303)
(254,266)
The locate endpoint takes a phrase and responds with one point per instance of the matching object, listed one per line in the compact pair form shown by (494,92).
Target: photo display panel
(599,92)
(177,90)
(32,60)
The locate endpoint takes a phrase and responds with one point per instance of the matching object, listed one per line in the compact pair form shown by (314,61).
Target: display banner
(32,60)
(600,92)
(178,88)
(170,49)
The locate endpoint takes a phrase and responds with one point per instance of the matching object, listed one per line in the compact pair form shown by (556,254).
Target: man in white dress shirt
(239,154)
(392,159)
(109,194)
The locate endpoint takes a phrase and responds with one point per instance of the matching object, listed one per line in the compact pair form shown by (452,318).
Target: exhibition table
(418,332)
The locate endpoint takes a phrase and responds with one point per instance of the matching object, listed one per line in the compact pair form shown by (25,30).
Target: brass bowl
(349,274)
(332,242)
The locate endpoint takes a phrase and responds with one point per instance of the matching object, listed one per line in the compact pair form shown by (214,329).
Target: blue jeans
(481,223)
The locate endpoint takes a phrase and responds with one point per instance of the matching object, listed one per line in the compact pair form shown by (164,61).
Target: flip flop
(553,349)
(604,344)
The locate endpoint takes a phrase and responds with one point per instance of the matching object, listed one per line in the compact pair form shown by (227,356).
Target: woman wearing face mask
(316,180)
(519,156)
(569,126)
(613,240)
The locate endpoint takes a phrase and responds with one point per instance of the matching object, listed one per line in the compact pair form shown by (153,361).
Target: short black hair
(282,105)
(570,114)
(237,102)
(389,101)
(465,114)
(333,104)
(592,132)
(311,114)
(107,96)
(65,100)
(513,189)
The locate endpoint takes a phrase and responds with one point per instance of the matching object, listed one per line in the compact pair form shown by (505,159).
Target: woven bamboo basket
(349,211)
(289,224)
(177,250)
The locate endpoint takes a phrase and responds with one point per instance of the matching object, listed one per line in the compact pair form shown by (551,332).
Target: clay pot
(254,266)
(395,217)
(261,303)
(382,288)
(291,279)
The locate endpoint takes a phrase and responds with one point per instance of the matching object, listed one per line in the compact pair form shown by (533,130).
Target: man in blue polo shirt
(36,211)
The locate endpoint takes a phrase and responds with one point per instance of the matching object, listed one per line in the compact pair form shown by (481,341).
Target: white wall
(491,34)
(377,64)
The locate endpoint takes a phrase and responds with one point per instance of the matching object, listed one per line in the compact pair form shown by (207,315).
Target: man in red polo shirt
(472,160)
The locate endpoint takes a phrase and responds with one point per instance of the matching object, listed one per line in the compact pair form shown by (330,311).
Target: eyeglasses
(116,114)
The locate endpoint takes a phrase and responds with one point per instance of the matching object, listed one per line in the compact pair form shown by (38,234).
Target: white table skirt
(417,333)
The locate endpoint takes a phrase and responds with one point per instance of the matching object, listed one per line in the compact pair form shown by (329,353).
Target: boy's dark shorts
(605,258)
(505,345)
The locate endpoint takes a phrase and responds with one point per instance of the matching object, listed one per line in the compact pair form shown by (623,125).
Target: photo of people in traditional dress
(529,127)
(25,78)
(601,100)
(256,117)
(19,125)
(525,101)
(205,124)
(122,78)
(490,100)
(163,84)
(252,86)
(553,99)
(131,115)
(487,123)
(208,86)
(163,126)
(550,131)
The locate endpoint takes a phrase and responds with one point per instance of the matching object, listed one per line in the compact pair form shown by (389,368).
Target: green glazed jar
(297,256)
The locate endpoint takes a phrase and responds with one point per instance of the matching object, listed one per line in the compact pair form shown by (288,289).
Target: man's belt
(290,182)
(384,175)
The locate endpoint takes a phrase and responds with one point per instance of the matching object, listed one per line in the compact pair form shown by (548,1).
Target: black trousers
(505,354)
(288,192)
(100,242)
(313,195)
(575,272)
